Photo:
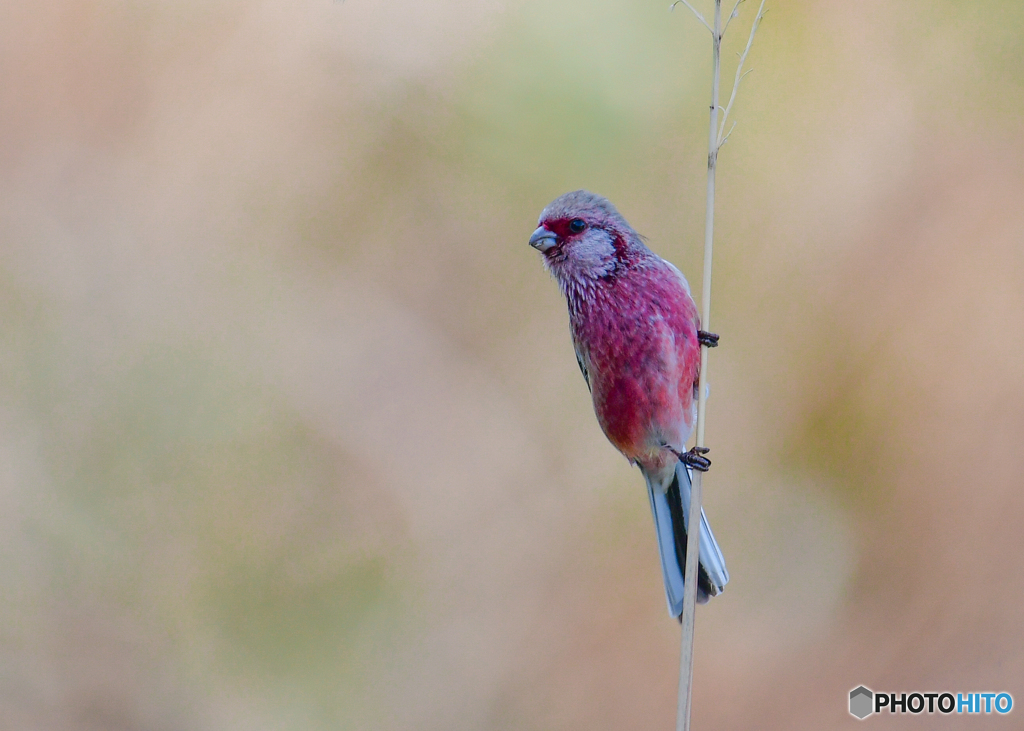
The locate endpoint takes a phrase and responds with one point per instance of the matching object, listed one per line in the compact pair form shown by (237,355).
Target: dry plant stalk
(716,138)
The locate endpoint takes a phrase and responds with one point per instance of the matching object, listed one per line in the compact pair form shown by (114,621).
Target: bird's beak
(542,239)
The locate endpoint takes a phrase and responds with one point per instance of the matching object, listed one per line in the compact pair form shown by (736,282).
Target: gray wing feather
(583,368)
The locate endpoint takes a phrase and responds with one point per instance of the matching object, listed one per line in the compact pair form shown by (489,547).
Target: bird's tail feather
(670,505)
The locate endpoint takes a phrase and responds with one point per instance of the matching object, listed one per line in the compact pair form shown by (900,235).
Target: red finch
(636,333)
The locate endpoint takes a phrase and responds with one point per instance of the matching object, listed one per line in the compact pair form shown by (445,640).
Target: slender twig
(693,524)
(715,142)
(735,12)
(695,12)
(739,72)
(727,135)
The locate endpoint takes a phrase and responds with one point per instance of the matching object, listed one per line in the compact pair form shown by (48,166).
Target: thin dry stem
(735,12)
(693,524)
(715,142)
(727,135)
(739,71)
(694,11)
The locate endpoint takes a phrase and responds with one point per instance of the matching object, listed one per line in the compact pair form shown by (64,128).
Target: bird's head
(582,236)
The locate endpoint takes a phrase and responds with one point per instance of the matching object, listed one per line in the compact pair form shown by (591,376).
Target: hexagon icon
(861,701)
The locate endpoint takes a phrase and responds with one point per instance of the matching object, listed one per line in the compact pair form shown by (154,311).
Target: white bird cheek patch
(594,253)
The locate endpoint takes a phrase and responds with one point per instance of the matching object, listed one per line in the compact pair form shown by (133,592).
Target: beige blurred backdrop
(291,431)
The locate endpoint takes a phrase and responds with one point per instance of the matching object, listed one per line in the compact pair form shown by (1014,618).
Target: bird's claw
(708,339)
(694,459)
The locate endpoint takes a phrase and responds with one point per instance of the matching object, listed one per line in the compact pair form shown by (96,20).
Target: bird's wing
(682,277)
(583,367)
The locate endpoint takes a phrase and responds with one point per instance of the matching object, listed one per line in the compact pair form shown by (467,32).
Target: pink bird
(636,333)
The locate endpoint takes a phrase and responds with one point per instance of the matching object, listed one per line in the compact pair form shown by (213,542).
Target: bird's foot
(694,459)
(708,339)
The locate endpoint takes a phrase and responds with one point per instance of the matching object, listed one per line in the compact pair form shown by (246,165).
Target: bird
(637,337)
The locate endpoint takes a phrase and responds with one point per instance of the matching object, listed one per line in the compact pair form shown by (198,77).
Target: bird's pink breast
(638,334)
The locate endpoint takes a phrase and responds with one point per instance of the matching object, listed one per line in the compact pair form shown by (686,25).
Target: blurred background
(291,431)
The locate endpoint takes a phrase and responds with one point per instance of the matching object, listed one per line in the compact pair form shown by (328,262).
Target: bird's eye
(576,225)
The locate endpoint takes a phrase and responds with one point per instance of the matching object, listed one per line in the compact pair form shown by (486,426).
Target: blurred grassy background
(292,435)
